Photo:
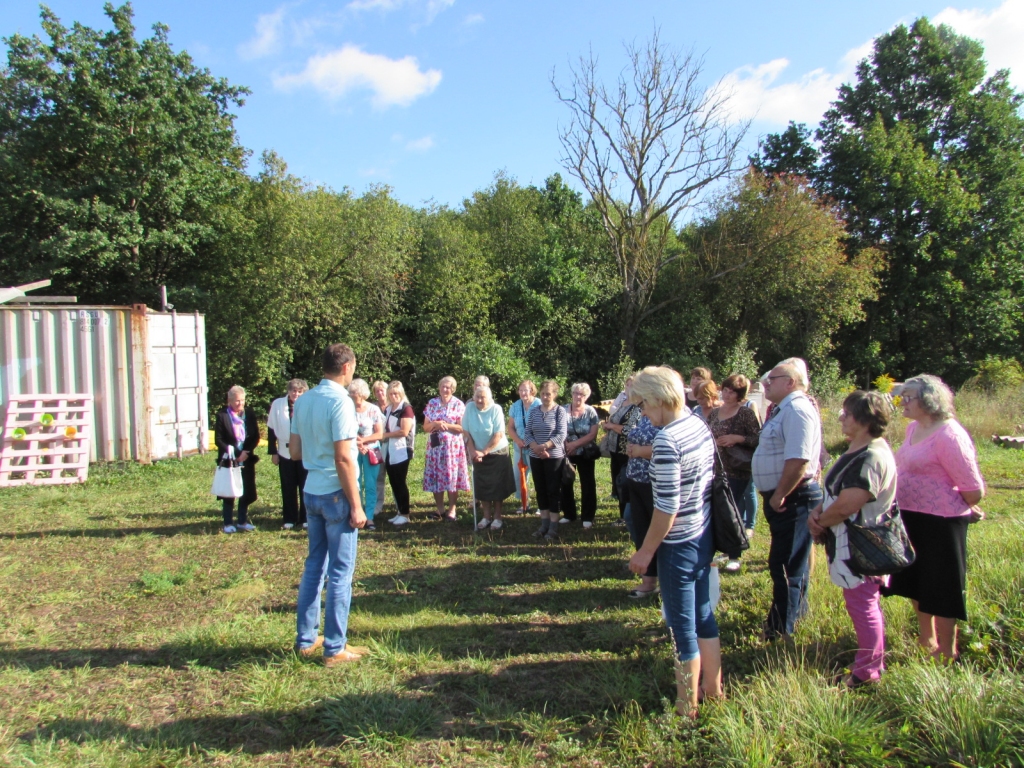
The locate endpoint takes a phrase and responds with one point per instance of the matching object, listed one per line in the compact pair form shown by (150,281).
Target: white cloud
(1001,31)
(267,37)
(756,94)
(431,8)
(392,81)
(753,93)
(421,144)
(473,18)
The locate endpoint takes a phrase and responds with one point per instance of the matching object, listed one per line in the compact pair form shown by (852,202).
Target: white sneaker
(230,529)
(732,566)
(536,512)
(247,527)
(288,526)
(496,525)
(400,520)
(483,524)
(750,533)
(564,520)
(305,526)
(587,524)
(392,519)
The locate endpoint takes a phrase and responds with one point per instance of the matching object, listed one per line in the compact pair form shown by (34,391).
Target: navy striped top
(542,426)
(682,469)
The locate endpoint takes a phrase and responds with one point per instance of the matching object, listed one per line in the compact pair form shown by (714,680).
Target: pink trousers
(865,609)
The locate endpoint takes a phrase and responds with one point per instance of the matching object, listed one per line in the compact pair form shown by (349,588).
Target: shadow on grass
(509,703)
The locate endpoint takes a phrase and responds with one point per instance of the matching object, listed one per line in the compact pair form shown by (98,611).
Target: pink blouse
(932,473)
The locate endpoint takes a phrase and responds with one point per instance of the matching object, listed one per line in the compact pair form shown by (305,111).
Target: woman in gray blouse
(545,437)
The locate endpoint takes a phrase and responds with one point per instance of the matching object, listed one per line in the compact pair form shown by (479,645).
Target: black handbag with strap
(726,521)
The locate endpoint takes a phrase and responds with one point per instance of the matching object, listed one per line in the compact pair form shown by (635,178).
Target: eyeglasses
(780,376)
(909,398)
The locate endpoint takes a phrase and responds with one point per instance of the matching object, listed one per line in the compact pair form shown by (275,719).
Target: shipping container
(145,370)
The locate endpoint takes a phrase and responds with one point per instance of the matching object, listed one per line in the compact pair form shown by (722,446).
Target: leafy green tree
(788,152)
(118,160)
(925,155)
(304,267)
(770,261)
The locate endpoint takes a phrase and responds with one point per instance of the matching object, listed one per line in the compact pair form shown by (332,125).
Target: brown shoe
(362,650)
(342,657)
(310,651)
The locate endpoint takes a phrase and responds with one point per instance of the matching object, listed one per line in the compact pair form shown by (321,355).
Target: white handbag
(227,480)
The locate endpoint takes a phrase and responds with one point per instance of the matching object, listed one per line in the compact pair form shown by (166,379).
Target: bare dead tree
(644,149)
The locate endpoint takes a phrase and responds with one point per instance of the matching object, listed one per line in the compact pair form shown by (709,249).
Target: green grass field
(133,633)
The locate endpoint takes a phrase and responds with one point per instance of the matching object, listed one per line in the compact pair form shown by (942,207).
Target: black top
(224,434)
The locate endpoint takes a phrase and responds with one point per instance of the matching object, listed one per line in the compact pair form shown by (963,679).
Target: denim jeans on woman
(684,571)
(745,494)
(332,557)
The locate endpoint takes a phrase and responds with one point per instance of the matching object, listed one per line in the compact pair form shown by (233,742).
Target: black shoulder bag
(727,523)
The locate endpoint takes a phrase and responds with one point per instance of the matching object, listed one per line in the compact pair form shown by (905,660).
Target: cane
(472,485)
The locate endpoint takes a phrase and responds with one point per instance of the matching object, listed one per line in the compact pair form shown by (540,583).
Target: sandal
(640,594)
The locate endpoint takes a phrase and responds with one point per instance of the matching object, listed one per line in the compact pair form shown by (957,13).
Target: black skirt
(938,577)
(493,479)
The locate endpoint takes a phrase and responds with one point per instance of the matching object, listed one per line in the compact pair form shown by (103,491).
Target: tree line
(889,239)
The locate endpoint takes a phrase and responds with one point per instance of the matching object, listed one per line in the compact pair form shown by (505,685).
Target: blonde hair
(707,388)
(660,385)
(396,386)
(448,378)
(530,384)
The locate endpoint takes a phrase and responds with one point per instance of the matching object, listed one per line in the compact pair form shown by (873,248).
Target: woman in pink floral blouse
(445,468)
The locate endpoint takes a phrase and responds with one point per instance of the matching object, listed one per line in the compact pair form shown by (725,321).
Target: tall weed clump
(957,715)
(793,716)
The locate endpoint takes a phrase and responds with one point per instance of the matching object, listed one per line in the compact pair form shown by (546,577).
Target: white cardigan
(278,421)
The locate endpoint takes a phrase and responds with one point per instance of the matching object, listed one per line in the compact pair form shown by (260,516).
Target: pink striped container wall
(146,372)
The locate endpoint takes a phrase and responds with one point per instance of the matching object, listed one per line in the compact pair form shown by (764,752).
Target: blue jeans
(788,556)
(368,485)
(684,571)
(745,494)
(332,555)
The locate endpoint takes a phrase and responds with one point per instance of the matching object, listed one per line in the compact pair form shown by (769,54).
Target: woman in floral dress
(445,468)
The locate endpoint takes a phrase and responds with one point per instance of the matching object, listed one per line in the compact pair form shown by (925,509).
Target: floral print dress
(445,468)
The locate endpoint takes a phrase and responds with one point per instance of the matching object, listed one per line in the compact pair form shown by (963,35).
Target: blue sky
(433,97)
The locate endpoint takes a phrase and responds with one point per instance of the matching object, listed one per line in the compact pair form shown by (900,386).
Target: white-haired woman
(399,441)
(581,449)
(235,432)
(291,471)
(484,434)
(445,468)
(680,533)
(940,486)
(371,430)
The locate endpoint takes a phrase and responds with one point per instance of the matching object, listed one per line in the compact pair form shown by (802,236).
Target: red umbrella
(524,493)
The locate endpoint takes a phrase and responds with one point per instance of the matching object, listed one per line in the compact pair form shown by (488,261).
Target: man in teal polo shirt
(324,430)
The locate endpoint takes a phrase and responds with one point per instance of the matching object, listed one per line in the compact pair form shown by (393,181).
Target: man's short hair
(335,358)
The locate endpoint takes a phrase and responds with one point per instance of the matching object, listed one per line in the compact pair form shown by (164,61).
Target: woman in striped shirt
(546,428)
(680,534)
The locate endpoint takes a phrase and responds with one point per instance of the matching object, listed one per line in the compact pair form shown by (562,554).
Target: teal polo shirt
(321,417)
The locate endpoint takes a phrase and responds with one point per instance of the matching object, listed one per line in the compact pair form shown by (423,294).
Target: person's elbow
(973,497)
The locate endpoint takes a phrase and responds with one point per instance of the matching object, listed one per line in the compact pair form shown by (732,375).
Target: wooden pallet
(54,453)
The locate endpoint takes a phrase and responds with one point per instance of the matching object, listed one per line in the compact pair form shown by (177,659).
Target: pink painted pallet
(45,440)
